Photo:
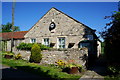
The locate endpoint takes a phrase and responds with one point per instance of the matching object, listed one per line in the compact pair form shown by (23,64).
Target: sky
(89,13)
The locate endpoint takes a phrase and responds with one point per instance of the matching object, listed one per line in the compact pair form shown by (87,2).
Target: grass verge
(43,71)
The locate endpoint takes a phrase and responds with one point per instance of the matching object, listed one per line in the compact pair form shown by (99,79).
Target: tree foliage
(112,38)
(8,28)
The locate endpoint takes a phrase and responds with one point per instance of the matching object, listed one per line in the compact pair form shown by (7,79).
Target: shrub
(28,46)
(25,46)
(114,69)
(117,77)
(36,55)
(18,56)
(43,47)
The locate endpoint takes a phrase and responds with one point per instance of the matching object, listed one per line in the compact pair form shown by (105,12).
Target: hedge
(28,46)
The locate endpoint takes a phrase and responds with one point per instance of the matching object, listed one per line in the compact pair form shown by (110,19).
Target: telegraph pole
(13,8)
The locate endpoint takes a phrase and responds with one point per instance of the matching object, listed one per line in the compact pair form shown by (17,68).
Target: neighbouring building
(18,37)
(58,30)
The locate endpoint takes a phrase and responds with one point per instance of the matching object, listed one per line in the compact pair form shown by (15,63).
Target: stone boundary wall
(67,55)
(24,53)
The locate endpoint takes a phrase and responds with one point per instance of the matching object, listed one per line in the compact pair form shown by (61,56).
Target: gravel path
(91,75)
(96,72)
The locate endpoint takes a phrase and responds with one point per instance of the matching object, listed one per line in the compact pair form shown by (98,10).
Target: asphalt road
(14,74)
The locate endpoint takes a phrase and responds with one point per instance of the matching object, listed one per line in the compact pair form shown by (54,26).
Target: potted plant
(8,55)
(72,68)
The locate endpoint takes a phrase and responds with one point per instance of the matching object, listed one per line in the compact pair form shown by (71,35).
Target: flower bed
(70,67)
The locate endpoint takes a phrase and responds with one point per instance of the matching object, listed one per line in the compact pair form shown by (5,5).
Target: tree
(8,28)
(111,36)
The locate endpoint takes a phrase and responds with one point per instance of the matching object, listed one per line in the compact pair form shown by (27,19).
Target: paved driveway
(14,74)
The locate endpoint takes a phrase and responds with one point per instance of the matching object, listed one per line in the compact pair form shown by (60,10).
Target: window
(33,40)
(46,42)
(84,45)
(90,37)
(87,45)
(52,26)
(71,45)
(61,43)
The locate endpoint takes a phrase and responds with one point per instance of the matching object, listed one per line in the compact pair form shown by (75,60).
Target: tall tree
(8,28)
(112,38)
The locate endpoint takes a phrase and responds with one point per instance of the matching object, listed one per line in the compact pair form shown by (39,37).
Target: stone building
(58,30)
(18,37)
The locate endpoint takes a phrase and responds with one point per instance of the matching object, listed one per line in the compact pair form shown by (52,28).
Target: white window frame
(61,44)
(33,40)
(90,37)
(46,43)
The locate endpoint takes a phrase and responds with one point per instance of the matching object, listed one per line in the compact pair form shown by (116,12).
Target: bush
(117,77)
(28,46)
(25,46)
(114,69)
(36,55)
(43,47)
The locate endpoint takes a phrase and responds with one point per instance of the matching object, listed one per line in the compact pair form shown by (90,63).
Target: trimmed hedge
(25,46)
(28,46)
(44,71)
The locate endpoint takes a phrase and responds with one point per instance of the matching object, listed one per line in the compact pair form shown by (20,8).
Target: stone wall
(68,55)
(53,55)
(25,54)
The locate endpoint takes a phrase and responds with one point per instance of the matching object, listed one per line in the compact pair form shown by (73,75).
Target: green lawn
(45,71)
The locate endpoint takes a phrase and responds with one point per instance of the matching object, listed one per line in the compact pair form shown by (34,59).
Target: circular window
(52,26)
